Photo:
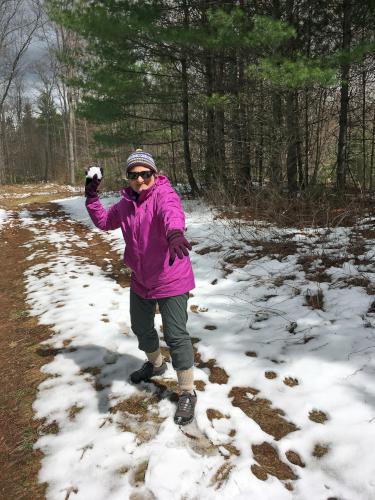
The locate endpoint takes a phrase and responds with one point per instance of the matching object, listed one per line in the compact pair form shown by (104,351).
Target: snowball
(94,171)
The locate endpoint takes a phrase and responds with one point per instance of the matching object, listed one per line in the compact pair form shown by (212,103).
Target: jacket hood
(161,182)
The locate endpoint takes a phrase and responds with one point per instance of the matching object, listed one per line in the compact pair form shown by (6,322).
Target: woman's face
(139,184)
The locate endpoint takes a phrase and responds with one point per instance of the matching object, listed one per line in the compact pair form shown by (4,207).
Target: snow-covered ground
(3,216)
(307,345)
(46,189)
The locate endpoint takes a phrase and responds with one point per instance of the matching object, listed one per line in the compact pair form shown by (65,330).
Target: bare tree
(19,20)
(67,43)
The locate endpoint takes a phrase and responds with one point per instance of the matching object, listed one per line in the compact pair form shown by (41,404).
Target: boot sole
(185,423)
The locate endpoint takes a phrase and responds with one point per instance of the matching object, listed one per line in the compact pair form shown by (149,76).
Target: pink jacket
(144,224)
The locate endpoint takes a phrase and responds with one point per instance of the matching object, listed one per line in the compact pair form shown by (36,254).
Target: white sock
(155,358)
(186,380)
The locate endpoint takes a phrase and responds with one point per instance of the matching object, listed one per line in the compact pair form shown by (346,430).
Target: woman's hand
(94,177)
(178,245)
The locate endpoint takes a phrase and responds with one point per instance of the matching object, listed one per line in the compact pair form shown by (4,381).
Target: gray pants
(174,316)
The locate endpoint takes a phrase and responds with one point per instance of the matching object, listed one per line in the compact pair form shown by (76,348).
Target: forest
(229,96)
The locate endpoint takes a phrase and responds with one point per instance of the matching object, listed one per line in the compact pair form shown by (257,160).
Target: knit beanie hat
(140,158)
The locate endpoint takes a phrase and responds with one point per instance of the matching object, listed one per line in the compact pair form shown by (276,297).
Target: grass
(19,314)
(315,300)
(51,428)
(73,411)
(29,438)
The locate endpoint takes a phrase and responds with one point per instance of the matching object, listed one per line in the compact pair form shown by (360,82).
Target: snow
(48,189)
(94,171)
(330,352)
(3,217)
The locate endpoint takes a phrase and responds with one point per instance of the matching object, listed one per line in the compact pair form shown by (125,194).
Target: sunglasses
(146,174)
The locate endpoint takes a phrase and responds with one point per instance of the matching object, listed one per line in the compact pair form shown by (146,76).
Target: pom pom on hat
(140,158)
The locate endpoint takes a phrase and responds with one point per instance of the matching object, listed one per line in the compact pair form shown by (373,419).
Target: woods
(227,96)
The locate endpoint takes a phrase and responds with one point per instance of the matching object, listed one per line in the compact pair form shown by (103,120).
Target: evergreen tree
(238,88)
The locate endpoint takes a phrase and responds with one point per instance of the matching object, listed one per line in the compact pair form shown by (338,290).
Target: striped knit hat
(140,158)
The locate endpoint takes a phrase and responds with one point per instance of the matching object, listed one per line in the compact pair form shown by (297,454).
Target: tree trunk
(47,156)
(291,112)
(307,142)
(243,146)
(291,125)
(259,151)
(2,156)
(185,112)
(344,99)
(185,128)
(372,153)
(71,127)
(234,127)
(364,130)
(276,125)
(242,115)
(307,126)
(321,105)
(220,123)
(174,174)
(210,124)
(67,42)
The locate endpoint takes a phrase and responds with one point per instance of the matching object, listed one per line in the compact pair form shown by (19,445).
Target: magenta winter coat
(144,224)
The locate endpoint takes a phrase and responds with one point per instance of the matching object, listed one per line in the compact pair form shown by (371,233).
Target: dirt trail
(19,371)
(20,336)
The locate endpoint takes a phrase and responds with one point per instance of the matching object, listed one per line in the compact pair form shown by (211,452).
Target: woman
(152,221)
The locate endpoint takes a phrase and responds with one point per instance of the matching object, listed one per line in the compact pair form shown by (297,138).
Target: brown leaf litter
(320,450)
(139,415)
(270,463)
(294,458)
(290,381)
(217,375)
(269,419)
(251,354)
(318,416)
(221,475)
(209,249)
(212,413)
(19,370)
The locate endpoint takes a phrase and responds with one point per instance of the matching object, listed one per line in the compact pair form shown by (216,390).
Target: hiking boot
(147,371)
(185,408)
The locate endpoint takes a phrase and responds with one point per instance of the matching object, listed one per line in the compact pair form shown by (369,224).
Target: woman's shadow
(101,365)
